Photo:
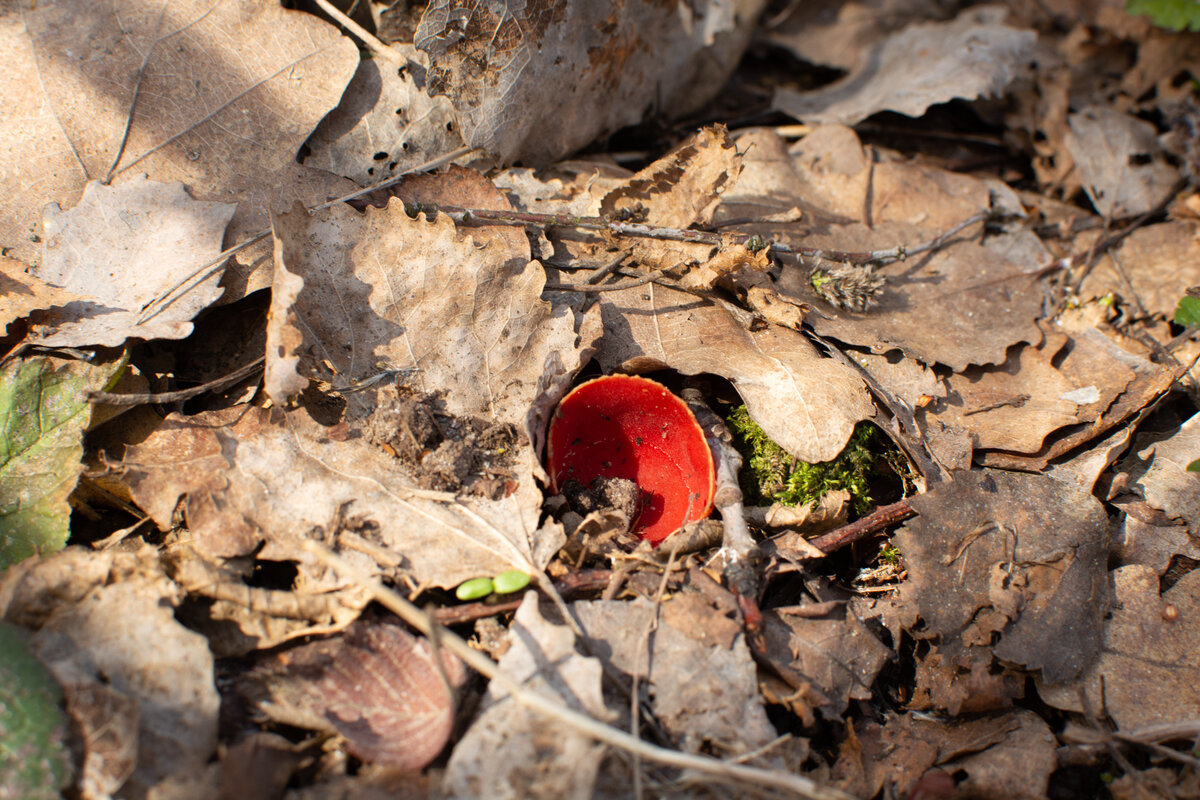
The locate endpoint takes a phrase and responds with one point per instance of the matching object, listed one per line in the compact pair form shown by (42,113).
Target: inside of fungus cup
(625,426)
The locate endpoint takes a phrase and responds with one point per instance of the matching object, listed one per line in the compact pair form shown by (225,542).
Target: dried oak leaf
(1146,673)
(384,125)
(1162,478)
(838,653)
(532,82)
(375,684)
(1022,556)
(201,106)
(1121,165)
(703,689)
(1014,406)
(120,248)
(975,55)
(511,752)
(223,470)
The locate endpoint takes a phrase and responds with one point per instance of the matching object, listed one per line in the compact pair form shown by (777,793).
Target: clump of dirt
(444,452)
(616,494)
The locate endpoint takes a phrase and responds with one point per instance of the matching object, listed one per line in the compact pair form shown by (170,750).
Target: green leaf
(34,760)
(1194,466)
(43,413)
(1173,14)
(1187,313)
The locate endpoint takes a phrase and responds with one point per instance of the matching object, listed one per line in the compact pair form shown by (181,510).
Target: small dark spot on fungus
(673,471)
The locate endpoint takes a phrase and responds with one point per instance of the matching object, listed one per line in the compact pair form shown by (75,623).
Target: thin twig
(554,708)
(608,287)
(373,44)
(479,216)
(142,398)
(877,520)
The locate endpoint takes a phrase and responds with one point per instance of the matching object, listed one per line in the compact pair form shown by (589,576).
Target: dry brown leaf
(975,55)
(806,403)
(533,84)
(224,118)
(119,249)
(964,682)
(377,685)
(1146,673)
(383,125)
(1162,479)
(999,756)
(1022,556)
(837,653)
(1121,166)
(704,692)
(842,34)
(510,752)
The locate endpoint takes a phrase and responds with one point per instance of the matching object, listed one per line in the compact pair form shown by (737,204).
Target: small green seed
(474,589)
(512,581)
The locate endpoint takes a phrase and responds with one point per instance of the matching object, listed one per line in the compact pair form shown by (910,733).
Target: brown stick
(877,520)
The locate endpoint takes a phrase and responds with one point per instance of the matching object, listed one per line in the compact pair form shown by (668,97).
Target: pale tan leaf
(119,249)
(224,118)
(972,56)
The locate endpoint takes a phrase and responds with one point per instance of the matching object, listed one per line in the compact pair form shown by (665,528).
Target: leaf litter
(1005,312)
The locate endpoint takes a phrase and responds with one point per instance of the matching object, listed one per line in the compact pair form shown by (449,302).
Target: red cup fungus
(624,426)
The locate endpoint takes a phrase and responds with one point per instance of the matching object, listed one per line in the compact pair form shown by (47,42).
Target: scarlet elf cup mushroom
(624,426)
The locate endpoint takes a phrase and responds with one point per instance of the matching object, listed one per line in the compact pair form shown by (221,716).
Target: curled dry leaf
(119,249)
(973,56)
(532,84)
(377,685)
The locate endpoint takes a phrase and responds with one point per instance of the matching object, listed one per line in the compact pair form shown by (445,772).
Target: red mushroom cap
(623,426)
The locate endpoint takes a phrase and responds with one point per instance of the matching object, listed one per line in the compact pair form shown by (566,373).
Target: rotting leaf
(501,62)
(120,248)
(43,413)
(972,56)
(201,106)
(1146,673)
(1011,755)
(1165,482)
(512,752)
(377,685)
(1021,556)
(241,499)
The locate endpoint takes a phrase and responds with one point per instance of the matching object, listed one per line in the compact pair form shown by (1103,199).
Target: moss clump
(771,475)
